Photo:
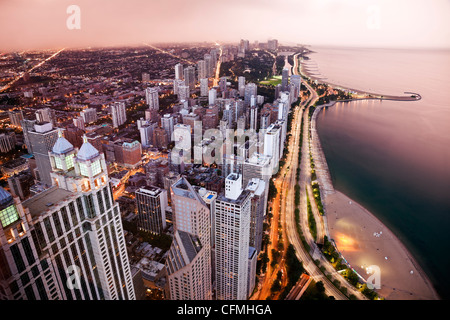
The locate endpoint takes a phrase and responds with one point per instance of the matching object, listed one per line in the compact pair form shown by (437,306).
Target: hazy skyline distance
(42,24)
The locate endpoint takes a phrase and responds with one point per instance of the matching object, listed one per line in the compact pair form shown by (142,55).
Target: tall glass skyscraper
(232,233)
(189,261)
(65,243)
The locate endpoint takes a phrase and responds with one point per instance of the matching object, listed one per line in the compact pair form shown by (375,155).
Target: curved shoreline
(350,220)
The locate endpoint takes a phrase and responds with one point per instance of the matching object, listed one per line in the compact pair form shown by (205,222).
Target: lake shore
(365,241)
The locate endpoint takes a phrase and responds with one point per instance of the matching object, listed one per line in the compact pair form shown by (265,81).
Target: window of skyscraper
(8,216)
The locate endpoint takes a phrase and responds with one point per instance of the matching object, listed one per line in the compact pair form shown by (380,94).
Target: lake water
(394,157)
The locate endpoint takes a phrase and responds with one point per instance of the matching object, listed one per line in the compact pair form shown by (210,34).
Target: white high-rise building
(282,110)
(250,90)
(257,166)
(71,228)
(204,87)
(183,93)
(296,82)
(46,115)
(253,118)
(201,69)
(167,124)
(232,225)
(79,122)
(89,115)
(241,86)
(209,64)
(152,98)
(189,77)
(118,113)
(176,84)
(212,96)
(179,71)
(16,117)
(272,144)
(146,129)
(189,260)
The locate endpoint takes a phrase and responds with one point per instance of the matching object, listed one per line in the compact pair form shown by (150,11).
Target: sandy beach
(365,241)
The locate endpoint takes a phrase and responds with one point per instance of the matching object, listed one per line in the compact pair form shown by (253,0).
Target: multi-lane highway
(307,257)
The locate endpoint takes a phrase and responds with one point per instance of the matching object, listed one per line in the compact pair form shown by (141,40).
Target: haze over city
(41,24)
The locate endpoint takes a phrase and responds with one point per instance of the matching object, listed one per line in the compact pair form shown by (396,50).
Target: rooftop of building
(62,145)
(259,159)
(46,200)
(183,188)
(151,190)
(5,198)
(191,244)
(87,151)
(257,186)
(244,194)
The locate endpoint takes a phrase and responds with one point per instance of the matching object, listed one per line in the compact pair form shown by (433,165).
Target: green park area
(271,81)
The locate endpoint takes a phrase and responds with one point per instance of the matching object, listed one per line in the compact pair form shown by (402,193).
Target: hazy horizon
(42,24)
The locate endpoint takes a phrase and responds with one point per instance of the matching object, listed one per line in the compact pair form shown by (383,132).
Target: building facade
(65,243)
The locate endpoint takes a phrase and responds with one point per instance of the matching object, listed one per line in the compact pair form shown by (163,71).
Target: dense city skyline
(42,24)
(170,150)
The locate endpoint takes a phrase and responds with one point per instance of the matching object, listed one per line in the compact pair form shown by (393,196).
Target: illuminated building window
(84,170)
(96,167)
(8,216)
(58,163)
(69,161)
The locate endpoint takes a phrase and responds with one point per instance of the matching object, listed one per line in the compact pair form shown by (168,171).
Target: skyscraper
(66,243)
(167,124)
(254,118)
(7,141)
(212,96)
(284,79)
(183,92)
(179,71)
(46,115)
(272,144)
(250,90)
(296,81)
(79,122)
(89,115)
(241,86)
(16,117)
(118,113)
(258,166)
(258,189)
(152,98)
(189,77)
(189,261)
(204,87)
(201,69)
(209,64)
(151,204)
(41,138)
(232,225)
(146,128)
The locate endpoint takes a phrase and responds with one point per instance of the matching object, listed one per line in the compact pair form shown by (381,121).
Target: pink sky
(40,24)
